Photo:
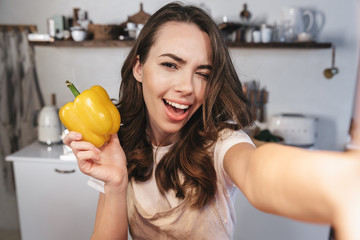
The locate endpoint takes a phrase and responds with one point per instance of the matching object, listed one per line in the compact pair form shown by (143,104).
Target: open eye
(169,65)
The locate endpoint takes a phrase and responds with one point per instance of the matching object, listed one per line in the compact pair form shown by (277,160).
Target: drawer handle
(64,171)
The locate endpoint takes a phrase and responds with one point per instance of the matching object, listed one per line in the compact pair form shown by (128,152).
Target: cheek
(149,83)
(152,79)
(199,89)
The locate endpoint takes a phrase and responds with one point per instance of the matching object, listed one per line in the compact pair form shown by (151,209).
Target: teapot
(301,20)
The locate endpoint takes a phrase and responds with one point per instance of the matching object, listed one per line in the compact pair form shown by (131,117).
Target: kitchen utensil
(318,22)
(245,15)
(296,19)
(279,32)
(257,99)
(302,20)
(78,33)
(256,36)
(49,125)
(140,17)
(131,28)
(296,129)
(105,31)
(330,72)
(263,100)
(266,34)
(304,37)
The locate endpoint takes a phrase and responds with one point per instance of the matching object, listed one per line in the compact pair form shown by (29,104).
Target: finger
(88,155)
(87,160)
(83,146)
(71,136)
(86,166)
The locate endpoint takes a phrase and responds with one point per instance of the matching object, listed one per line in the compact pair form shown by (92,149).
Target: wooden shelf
(129,43)
(87,43)
(281,45)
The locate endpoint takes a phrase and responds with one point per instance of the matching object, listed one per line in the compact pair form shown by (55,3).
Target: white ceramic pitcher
(295,17)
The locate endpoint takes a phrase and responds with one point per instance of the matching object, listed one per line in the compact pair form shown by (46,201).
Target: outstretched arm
(313,186)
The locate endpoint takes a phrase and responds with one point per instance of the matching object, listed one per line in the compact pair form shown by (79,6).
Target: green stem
(72,88)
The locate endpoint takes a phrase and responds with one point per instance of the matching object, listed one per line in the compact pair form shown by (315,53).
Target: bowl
(305,37)
(78,35)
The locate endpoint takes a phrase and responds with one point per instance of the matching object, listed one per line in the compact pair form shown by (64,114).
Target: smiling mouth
(176,108)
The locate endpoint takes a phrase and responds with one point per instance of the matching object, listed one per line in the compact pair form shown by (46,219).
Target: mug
(256,36)
(266,34)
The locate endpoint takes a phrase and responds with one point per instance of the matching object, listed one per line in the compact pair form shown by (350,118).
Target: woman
(182,151)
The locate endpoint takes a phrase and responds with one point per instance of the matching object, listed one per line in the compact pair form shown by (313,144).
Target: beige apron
(180,222)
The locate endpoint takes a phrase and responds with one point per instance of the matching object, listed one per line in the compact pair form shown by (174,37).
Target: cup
(256,36)
(266,34)
(248,34)
(279,32)
(289,32)
(131,26)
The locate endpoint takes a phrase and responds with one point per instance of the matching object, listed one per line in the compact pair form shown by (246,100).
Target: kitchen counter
(39,152)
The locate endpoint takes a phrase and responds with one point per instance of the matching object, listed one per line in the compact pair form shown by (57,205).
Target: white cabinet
(54,200)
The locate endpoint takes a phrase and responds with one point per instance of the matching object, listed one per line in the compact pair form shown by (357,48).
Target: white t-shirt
(149,197)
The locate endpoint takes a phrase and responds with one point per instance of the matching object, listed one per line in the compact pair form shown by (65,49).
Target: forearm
(111,216)
(300,184)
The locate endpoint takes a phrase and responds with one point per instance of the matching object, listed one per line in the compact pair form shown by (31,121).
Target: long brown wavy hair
(188,166)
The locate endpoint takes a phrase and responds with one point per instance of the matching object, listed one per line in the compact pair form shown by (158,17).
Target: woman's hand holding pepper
(107,163)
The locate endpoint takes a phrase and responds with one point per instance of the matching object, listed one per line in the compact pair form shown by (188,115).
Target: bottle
(245,14)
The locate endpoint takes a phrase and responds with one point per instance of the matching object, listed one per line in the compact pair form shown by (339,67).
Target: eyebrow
(180,60)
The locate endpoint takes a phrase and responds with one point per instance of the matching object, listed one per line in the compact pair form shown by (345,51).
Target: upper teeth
(177,105)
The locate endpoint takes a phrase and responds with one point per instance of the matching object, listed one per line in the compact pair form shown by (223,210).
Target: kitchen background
(293,77)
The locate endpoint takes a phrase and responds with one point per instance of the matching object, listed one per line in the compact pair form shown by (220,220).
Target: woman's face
(174,78)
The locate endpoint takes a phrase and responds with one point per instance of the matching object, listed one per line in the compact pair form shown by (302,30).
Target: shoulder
(226,140)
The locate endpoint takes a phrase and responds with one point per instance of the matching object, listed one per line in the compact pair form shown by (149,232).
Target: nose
(184,83)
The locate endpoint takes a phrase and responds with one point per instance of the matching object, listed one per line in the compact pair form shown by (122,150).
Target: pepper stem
(72,88)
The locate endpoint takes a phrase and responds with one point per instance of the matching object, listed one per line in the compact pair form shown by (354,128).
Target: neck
(159,138)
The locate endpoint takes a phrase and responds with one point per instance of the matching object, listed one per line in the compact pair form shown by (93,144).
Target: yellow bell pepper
(92,114)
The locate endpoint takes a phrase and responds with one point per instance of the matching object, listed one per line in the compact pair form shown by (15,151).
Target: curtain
(20,97)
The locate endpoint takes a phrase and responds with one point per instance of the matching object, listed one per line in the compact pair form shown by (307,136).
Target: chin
(173,129)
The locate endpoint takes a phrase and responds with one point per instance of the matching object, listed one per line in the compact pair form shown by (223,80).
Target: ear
(137,70)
